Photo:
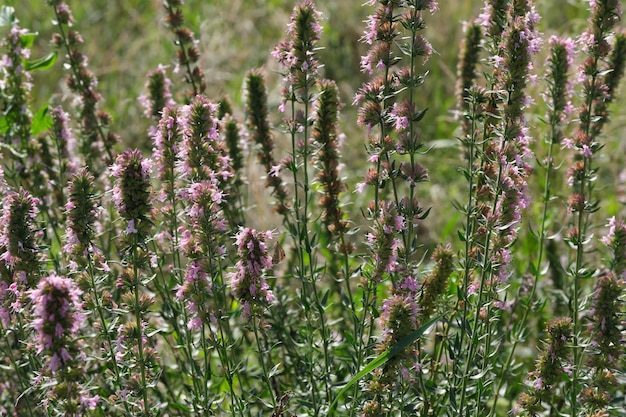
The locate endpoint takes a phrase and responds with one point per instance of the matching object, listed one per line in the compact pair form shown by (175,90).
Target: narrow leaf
(381,359)
(42,63)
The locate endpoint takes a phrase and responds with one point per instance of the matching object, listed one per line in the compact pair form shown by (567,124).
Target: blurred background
(124,39)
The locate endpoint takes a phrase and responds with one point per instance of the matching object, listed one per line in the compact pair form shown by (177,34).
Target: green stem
(138,323)
(261,352)
(23,380)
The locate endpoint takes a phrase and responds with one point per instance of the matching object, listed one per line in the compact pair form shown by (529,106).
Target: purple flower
(57,318)
(159,95)
(202,155)
(18,237)
(248,280)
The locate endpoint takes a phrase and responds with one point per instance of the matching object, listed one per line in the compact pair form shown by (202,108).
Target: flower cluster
(327,158)
(188,54)
(493,18)
(296,54)
(549,366)
(19,250)
(261,134)
(166,149)
(203,155)
(83,82)
(436,282)
(466,68)
(62,136)
(607,339)
(383,240)
(131,192)
(616,241)
(57,318)
(202,243)
(503,180)
(81,211)
(158,95)
(15,87)
(599,74)
(560,90)
(235,139)
(248,280)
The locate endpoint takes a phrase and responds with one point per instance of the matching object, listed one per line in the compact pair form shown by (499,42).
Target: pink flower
(248,280)
(57,317)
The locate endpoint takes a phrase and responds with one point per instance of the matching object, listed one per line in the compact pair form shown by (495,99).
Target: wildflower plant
(96,136)
(147,282)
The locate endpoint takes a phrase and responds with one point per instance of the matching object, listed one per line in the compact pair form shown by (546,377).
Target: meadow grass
(398,208)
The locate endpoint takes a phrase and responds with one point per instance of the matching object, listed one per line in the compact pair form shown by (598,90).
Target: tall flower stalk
(389,102)
(599,75)
(131,195)
(297,57)
(559,104)
(188,53)
(20,259)
(96,138)
(498,172)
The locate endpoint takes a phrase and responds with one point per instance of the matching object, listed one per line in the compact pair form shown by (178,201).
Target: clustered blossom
(203,155)
(81,211)
(158,96)
(616,241)
(607,339)
(493,18)
(382,30)
(599,75)
(19,250)
(399,318)
(167,138)
(435,283)
(81,81)
(16,86)
(503,180)
(560,90)
(296,54)
(380,99)
(202,243)
(235,139)
(552,361)
(261,134)
(327,159)
(65,141)
(131,193)
(57,318)
(188,53)
(383,240)
(469,55)
(248,280)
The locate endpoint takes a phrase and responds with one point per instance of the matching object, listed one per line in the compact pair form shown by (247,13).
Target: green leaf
(4,125)
(381,359)
(7,16)
(41,121)
(42,63)
(27,40)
